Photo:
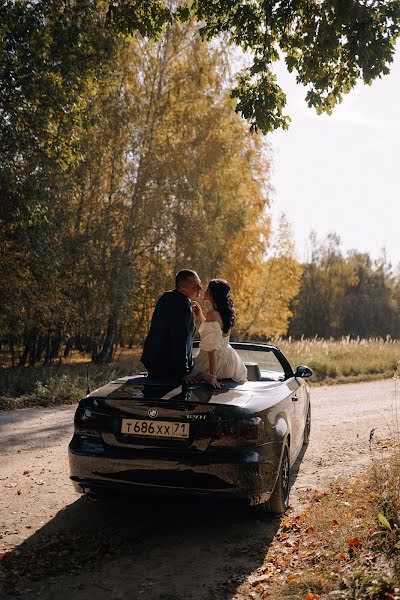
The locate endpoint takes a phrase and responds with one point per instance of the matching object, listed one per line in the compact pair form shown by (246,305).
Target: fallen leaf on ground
(262,578)
(353,542)
(309,529)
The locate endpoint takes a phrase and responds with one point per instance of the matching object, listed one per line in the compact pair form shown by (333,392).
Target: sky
(341,173)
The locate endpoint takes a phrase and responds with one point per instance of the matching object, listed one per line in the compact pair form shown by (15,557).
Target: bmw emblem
(153,412)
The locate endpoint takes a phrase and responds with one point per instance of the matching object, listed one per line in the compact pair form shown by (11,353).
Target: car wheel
(91,496)
(95,495)
(307,427)
(279,500)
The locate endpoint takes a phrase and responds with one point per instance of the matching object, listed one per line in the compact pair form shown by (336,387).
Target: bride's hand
(212,380)
(196,308)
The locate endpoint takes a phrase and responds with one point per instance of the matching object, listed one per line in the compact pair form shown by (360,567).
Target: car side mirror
(303,371)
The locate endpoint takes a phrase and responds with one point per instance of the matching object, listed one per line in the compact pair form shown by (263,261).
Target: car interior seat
(253,371)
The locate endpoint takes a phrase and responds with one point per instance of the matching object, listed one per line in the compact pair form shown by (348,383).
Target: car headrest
(253,371)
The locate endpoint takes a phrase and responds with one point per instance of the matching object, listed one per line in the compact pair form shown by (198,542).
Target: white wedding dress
(229,363)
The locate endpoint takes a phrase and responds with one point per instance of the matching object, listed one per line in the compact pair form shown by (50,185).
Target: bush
(45,386)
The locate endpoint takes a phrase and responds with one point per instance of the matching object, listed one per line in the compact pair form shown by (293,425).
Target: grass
(58,384)
(333,361)
(345,360)
(358,546)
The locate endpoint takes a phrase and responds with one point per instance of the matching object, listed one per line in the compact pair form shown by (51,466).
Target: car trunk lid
(154,418)
(164,414)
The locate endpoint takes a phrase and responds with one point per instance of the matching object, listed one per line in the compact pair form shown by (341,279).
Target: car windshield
(270,366)
(269,363)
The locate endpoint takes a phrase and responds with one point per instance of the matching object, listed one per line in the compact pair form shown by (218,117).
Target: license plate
(160,429)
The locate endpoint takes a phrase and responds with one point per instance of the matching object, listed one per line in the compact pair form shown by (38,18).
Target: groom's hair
(183,276)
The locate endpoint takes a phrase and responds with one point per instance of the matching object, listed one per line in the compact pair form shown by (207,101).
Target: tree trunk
(106,354)
(38,345)
(55,344)
(47,347)
(25,353)
(68,347)
(12,351)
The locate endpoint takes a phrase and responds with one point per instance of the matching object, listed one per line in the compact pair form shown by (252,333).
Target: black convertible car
(240,440)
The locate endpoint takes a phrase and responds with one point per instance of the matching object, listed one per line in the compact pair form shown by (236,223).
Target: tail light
(85,420)
(244,429)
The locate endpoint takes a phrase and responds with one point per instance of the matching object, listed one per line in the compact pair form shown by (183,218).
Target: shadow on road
(294,471)
(149,548)
(26,430)
(144,547)
(38,438)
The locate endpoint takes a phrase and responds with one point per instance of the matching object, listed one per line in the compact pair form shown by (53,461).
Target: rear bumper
(248,473)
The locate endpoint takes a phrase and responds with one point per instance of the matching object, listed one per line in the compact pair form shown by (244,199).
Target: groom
(167,351)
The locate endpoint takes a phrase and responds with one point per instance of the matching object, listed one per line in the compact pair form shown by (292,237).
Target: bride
(217,359)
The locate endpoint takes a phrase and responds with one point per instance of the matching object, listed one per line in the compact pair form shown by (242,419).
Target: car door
(275,367)
(298,404)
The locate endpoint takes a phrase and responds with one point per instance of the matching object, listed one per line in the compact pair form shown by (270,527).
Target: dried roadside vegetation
(58,384)
(346,546)
(344,360)
(333,361)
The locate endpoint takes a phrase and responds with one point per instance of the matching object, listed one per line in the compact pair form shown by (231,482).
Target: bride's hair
(220,292)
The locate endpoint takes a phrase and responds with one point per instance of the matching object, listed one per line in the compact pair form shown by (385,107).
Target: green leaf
(182,14)
(383,520)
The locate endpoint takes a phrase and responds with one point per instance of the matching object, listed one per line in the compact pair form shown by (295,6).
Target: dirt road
(158,549)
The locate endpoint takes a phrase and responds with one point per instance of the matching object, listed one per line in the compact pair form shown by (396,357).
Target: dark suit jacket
(167,351)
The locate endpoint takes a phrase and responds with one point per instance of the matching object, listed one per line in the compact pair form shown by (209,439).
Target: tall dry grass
(333,361)
(386,474)
(343,360)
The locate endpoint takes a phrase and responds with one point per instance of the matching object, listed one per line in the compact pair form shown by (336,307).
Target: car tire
(95,495)
(307,427)
(279,500)
(91,496)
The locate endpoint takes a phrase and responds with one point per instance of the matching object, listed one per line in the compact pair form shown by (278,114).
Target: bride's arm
(211,377)
(198,313)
